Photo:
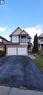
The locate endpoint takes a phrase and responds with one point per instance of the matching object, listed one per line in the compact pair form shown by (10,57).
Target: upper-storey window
(15,39)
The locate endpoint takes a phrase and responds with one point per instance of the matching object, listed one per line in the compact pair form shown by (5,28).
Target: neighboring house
(3,42)
(40,42)
(20,43)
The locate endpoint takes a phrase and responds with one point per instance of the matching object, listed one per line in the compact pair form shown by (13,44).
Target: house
(3,42)
(40,43)
(20,43)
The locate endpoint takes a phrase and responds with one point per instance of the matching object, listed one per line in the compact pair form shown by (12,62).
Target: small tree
(35,47)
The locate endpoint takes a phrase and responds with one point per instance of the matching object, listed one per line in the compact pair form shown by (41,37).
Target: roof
(3,38)
(41,35)
(19,31)
(16,32)
(10,43)
(24,33)
(5,41)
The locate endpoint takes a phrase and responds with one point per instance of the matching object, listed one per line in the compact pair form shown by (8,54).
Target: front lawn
(39,60)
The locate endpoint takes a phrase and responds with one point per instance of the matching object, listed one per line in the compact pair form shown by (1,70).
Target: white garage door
(22,51)
(11,51)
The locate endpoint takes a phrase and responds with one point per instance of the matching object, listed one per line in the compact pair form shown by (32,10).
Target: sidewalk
(16,91)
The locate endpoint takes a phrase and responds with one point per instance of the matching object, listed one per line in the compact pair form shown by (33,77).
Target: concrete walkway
(16,91)
(31,56)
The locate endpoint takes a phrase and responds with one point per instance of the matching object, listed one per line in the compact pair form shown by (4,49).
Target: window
(15,39)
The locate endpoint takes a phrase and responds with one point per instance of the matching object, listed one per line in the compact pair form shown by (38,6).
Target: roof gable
(24,33)
(16,32)
(41,35)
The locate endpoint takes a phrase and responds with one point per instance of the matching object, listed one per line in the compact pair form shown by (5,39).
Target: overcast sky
(26,14)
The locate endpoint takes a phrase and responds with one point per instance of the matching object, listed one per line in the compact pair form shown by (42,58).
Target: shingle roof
(24,32)
(41,35)
(3,38)
(16,32)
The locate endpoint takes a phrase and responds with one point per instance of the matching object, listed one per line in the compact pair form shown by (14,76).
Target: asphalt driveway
(20,71)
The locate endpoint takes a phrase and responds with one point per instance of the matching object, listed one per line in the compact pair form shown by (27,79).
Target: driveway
(20,71)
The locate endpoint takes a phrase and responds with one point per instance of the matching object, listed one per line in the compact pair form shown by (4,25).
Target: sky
(26,14)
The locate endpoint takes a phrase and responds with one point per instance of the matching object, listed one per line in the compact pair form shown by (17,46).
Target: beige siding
(17,32)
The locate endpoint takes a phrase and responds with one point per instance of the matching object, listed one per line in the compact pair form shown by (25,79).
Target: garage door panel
(22,51)
(11,51)
(16,51)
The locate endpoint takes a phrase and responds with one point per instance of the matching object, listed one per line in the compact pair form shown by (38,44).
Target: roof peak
(15,31)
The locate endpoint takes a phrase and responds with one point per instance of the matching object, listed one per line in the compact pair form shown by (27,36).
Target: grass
(39,60)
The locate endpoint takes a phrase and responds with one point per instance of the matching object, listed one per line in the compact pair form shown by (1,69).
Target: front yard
(39,60)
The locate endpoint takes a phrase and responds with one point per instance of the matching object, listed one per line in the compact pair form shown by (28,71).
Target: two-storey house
(20,43)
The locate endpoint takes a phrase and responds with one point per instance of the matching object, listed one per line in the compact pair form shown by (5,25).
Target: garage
(11,51)
(16,50)
(22,51)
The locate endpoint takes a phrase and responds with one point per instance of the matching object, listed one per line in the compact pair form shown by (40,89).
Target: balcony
(23,41)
